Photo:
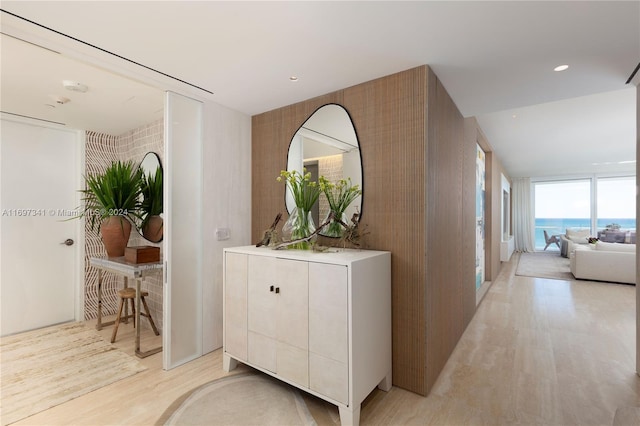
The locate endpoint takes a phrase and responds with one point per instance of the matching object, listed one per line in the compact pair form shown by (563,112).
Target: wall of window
(616,202)
(587,203)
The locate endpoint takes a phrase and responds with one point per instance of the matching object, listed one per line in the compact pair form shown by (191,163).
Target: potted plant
(151,206)
(111,201)
(305,193)
(339,196)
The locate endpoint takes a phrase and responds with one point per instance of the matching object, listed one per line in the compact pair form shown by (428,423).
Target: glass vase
(334,229)
(299,225)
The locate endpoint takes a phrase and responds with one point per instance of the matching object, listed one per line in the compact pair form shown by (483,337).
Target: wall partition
(182,338)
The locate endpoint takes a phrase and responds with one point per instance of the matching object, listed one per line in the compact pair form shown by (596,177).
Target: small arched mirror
(151,227)
(327,145)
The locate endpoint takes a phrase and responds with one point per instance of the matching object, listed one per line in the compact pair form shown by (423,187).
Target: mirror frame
(355,130)
(159,161)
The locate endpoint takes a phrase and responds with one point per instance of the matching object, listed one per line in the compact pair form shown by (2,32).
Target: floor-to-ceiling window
(616,203)
(589,203)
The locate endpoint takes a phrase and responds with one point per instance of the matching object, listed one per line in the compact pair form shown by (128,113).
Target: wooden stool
(130,293)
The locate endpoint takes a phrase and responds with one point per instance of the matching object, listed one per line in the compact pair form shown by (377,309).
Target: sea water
(555,226)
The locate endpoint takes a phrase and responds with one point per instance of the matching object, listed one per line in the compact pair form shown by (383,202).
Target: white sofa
(612,262)
(571,238)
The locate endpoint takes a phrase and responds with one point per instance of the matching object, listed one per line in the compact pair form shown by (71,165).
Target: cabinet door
(328,331)
(262,302)
(235,305)
(292,315)
(293,321)
(262,281)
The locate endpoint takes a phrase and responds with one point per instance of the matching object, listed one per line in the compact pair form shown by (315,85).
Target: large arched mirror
(327,145)
(151,227)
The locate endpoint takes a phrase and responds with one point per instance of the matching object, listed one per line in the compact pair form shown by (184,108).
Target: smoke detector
(74,86)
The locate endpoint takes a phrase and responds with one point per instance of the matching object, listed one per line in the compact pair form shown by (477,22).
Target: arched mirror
(151,227)
(327,145)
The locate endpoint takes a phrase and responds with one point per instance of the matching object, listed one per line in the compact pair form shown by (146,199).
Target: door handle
(68,242)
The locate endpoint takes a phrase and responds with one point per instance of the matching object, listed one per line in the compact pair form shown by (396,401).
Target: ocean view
(555,226)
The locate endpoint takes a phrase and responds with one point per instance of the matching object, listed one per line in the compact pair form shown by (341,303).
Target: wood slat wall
(445,286)
(416,205)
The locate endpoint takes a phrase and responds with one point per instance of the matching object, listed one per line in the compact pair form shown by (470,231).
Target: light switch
(223,234)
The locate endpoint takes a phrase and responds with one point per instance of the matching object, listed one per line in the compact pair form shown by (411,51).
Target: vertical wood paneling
(414,205)
(389,117)
(444,287)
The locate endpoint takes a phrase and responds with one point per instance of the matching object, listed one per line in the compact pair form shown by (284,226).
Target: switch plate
(223,234)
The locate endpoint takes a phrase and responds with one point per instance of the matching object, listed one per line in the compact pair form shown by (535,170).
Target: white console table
(135,271)
(318,321)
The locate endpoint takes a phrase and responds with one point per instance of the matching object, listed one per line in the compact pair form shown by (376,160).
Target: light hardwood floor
(538,351)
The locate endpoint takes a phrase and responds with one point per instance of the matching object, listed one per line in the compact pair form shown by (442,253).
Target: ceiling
(495,59)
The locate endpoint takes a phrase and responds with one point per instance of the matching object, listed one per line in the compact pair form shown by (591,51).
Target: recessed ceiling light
(514,116)
(561,67)
(293,78)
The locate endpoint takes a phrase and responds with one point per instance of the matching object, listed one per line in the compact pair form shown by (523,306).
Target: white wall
(226,204)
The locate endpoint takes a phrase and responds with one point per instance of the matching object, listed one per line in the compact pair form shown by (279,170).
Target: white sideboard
(318,321)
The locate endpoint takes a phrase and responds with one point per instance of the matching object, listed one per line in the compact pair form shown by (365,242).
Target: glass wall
(616,203)
(560,205)
(590,203)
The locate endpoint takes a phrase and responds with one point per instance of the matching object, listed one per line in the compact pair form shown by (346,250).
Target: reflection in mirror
(151,227)
(326,145)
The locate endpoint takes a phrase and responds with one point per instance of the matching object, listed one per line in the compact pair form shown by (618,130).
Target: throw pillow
(578,235)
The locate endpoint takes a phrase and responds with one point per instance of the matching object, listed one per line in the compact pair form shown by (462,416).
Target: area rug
(241,399)
(49,366)
(544,265)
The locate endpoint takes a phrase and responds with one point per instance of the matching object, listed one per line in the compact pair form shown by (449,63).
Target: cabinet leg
(385,384)
(349,416)
(228,363)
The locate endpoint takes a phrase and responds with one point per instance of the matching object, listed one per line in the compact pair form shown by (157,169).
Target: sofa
(571,238)
(612,262)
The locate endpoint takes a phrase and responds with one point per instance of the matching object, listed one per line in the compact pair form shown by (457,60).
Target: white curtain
(523,215)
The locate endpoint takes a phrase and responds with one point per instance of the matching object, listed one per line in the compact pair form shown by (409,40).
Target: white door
(38,189)
(182,242)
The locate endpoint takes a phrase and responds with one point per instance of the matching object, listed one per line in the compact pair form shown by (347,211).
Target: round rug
(242,399)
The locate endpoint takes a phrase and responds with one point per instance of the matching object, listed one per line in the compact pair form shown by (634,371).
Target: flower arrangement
(305,193)
(339,196)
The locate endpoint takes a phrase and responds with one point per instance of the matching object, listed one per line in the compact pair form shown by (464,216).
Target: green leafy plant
(151,188)
(115,192)
(339,196)
(305,192)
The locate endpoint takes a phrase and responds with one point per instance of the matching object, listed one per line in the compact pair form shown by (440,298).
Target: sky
(571,199)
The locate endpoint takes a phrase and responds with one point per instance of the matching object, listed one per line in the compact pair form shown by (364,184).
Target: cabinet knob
(271,288)
(277,290)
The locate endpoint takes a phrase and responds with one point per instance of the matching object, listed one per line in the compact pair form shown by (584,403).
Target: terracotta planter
(153,229)
(115,232)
